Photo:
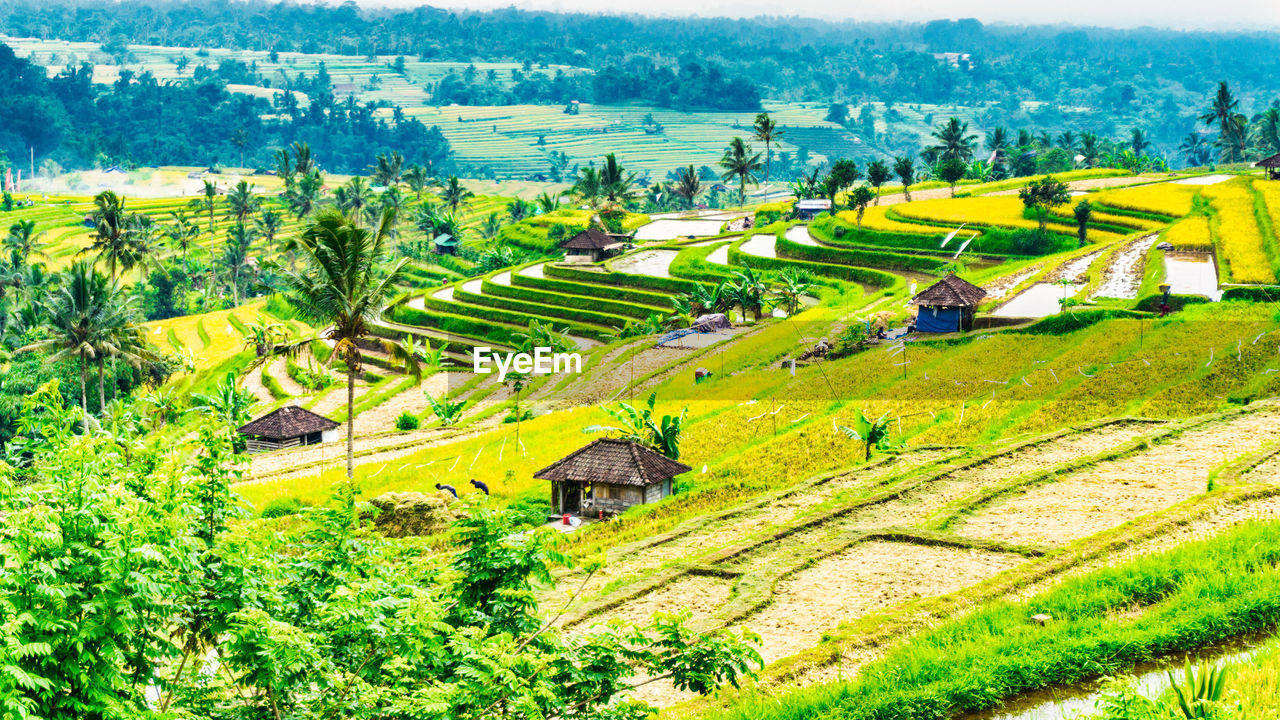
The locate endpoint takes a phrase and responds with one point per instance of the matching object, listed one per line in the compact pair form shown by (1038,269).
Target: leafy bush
(407,421)
(280,507)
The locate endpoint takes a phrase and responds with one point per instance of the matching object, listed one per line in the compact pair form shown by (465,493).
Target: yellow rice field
(1162,198)
(1241,247)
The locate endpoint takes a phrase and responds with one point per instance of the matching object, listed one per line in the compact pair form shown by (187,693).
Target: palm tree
(241,202)
(738,161)
(492,225)
(519,209)
(1067,141)
(343,287)
(1090,149)
(954,141)
(183,232)
(229,403)
(387,170)
(24,240)
(235,255)
(688,185)
(268,225)
(547,202)
(354,197)
(878,174)
(454,194)
(302,196)
(767,132)
(209,204)
(414,356)
(616,184)
(121,239)
(588,187)
(905,169)
(1266,133)
(1138,142)
(417,179)
(1194,149)
(1223,113)
(78,317)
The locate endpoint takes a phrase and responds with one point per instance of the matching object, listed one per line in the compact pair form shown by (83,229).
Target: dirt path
(1123,275)
(1116,491)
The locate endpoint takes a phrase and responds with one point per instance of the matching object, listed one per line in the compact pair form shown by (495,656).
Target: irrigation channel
(1150,679)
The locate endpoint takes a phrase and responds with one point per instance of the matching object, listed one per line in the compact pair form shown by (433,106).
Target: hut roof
(1272,162)
(446,240)
(589,239)
(814,204)
(613,461)
(951,291)
(289,421)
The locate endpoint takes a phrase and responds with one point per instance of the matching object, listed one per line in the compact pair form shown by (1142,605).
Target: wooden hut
(289,426)
(591,245)
(947,305)
(1271,165)
(811,208)
(445,244)
(609,476)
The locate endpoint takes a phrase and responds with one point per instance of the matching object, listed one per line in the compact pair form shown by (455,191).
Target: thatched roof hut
(947,305)
(609,475)
(1271,165)
(289,426)
(591,245)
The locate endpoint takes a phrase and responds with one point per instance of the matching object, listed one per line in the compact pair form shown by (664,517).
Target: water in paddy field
(720,255)
(1192,274)
(1151,680)
(1204,180)
(672,229)
(762,245)
(800,235)
(1039,300)
(654,263)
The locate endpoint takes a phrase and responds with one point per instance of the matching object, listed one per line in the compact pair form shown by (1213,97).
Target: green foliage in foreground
(1192,596)
(129,590)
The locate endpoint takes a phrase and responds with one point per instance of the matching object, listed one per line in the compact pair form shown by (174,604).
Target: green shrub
(280,507)
(787,248)
(1253,294)
(407,421)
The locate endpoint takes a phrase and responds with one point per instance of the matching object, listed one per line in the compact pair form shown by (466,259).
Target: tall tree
(954,140)
(417,179)
(242,202)
(454,193)
(905,169)
(617,184)
(355,198)
(688,185)
(24,240)
(878,173)
(739,162)
(387,170)
(343,285)
(1223,113)
(767,132)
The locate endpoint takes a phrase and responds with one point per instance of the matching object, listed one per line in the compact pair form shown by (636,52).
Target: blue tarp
(938,320)
(675,335)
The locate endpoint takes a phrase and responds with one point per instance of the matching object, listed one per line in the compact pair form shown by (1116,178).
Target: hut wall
(938,319)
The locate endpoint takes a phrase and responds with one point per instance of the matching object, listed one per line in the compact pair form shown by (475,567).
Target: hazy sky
(1209,14)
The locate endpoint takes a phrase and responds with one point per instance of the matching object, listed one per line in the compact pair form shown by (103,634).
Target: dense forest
(1109,79)
(138,120)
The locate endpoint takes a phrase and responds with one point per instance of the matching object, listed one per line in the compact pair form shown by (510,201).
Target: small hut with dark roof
(1272,166)
(591,245)
(289,426)
(947,305)
(609,476)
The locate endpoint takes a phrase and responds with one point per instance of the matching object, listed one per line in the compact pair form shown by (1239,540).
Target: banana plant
(449,412)
(414,356)
(871,433)
(638,424)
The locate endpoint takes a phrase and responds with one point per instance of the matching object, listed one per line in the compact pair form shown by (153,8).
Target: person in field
(448,488)
(480,486)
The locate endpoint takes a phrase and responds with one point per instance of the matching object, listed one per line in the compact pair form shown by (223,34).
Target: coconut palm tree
(386,172)
(1266,133)
(767,132)
(519,209)
(954,141)
(417,179)
(688,185)
(878,173)
(24,240)
(588,187)
(1138,142)
(235,256)
(79,317)
(208,204)
(302,197)
(905,169)
(354,198)
(739,162)
(547,202)
(1090,149)
(268,226)
(182,232)
(1194,149)
(241,202)
(1223,113)
(121,239)
(343,286)
(616,184)
(454,193)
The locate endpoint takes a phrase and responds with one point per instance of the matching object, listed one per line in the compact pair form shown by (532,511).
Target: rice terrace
(369,361)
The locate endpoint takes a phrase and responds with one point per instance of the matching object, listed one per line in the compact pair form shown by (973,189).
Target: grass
(1199,593)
